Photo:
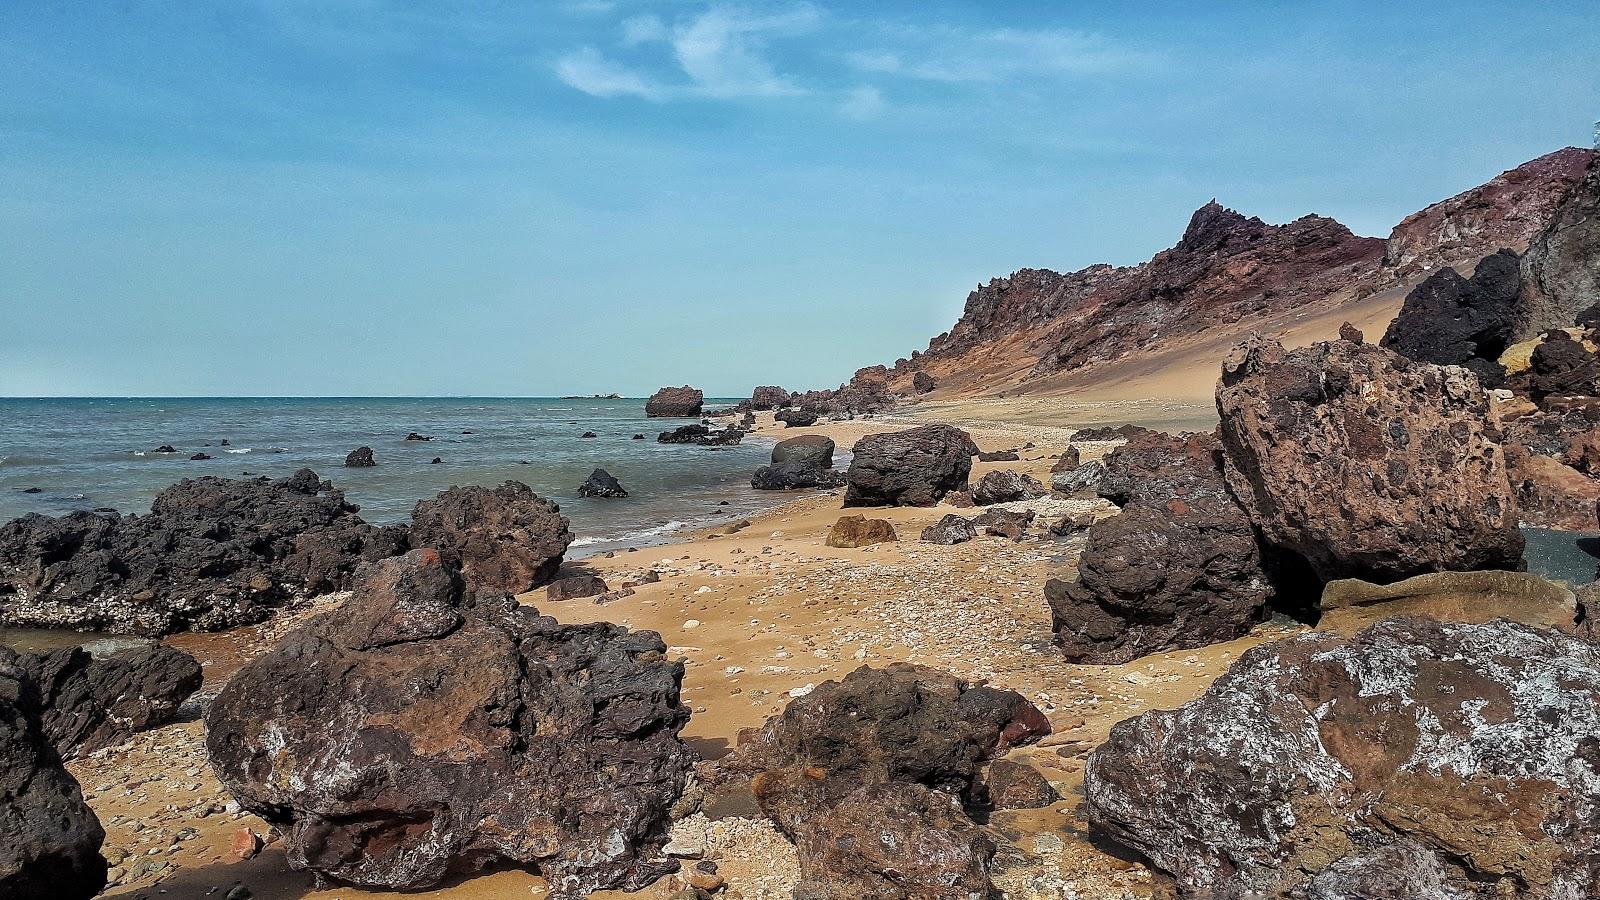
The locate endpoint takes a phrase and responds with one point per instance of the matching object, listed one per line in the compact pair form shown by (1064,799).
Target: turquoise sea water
(99,453)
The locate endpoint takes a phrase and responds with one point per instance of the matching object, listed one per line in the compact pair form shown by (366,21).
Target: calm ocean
(91,453)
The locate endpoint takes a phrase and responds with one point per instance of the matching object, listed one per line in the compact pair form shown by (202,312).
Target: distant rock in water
(86,703)
(413,436)
(702,435)
(1455,321)
(601,483)
(213,553)
(915,467)
(165,448)
(1363,464)
(535,743)
(1414,760)
(505,539)
(673,402)
(199,457)
(359,458)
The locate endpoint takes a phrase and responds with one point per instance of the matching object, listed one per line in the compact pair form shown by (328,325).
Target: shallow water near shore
(60,455)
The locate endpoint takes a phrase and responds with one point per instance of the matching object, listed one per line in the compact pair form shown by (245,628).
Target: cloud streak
(953,55)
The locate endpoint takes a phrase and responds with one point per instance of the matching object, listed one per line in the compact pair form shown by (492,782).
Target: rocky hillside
(1228,274)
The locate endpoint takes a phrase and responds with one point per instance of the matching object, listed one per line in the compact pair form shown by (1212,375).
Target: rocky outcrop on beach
(1006,523)
(1364,464)
(545,745)
(49,837)
(1550,493)
(1415,759)
(675,402)
(866,392)
(850,532)
(504,539)
(922,382)
(1178,567)
(601,483)
(86,702)
(1457,321)
(799,462)
(768,396)
(796,418)
(211,554)
(952,529)
(915,467)
(1007,486)
(1561,271)
(1561,366)
(701,435)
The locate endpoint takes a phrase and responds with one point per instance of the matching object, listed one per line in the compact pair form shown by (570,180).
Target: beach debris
(537,743)
(915,467)
(503,539)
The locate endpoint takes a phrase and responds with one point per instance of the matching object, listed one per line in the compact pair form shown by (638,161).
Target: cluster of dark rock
(799,462)
(215,553)
(703,435)
(675,402)
(915,467)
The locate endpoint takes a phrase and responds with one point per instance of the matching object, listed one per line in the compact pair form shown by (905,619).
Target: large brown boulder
(1363,463)
(86,702)
(769,396)
(850,532)
(416,732)
(213,553)
(915,467)
(49,838)
(1561,270)
(505,539)
(1179,567)
(675,402)
(1457,321)
(1414,760)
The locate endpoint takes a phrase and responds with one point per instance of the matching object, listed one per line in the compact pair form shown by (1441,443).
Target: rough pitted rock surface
(601,483)
(769,396)
(796,418)
(859,531)
(1014,784)
(952,529)
(49,838)
(810,449)
(922,382)
(1178,567)
(1549,493)
(866,392)
(1455,321)
(85,703)
(702,435)
(915,467)
(1069,459)
(505,539)
(575,587)
(1434,760)
(1006,486)
(1363,463)
(799,462)
(675,402)
(359,458)
(1081,482)
(415,732)
(211,554)
(1006,523)
(1561,270)
(1562,366)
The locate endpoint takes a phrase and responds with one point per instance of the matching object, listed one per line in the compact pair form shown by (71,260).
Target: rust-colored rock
(505,539)
(1549,493)
(675,402)
(1363,463)
(859,531)
(1014,784)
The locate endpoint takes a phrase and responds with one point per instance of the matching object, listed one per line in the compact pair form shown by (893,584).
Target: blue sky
(383,197)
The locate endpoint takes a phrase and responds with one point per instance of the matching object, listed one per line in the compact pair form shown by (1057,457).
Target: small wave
(657,531)
(237,450)
(19,460)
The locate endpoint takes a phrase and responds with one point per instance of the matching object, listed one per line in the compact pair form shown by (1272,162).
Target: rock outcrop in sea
(675,402)
(601,483)
(211,554)
(504,539)
(1416,759)
(799,462)
(418,731)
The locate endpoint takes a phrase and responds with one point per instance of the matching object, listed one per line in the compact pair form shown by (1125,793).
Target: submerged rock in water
(359,458)
(799,462)
(1426,759)
(213,553)
(915,467)
(675,402)
(469,731)
(601,483)
(701,434)
(505,539)
(85,703)
(1364,464)
(49,838)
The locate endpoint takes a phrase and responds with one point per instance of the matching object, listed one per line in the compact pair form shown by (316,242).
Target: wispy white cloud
(589,71)
(862,103)
(950,54)
(643,29)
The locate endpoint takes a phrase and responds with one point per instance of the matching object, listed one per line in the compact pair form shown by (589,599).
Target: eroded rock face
(1363,463)
(49,838)
(601,483)
(1006,486)
(796,418)
(1549,493)
(859,531)
(1456,321)
(769,396)
(915,467)
(1442,758)
(505,539)
(85,703)
(213,553)
(1178,567)
(952,529)
(675,402)
(866,392)
(1562,266)
(359,458)
(1562,366)
(415,732)
(1080,482)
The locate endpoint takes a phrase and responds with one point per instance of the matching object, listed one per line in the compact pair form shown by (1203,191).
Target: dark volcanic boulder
(702,435)
(575,587)
(866,392)
(794,475)
(675,402)
(769,396)
(213,553)
(1562,366)
(952,529)
(1069,459)
(1414,760)
(1561,270)
(601,483)
(810,449)
(922,382)
(49,838)
(1016,785)
(1179,567)
(1005,486)
(999,456)
(1456,321)
(359,458)
(85,703)
(1363,463)
(1004,522)
(796,418)
(909,468)
(505,539)
(464,732)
